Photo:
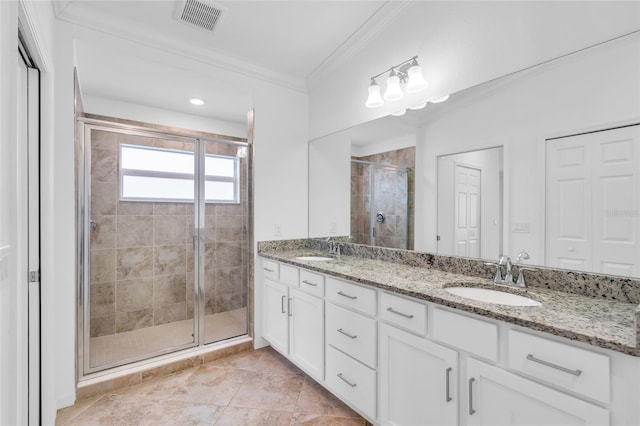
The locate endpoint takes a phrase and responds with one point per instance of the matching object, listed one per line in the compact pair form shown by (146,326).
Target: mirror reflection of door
(470,203)
(593,208)
(467,210)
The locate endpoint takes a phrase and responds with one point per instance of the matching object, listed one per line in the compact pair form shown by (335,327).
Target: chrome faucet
(508,277)
(334,247)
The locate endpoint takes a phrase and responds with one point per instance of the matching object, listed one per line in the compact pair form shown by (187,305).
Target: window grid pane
(157,174)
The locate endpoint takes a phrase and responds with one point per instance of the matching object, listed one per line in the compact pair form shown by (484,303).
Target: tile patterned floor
(252,388)
(130,345)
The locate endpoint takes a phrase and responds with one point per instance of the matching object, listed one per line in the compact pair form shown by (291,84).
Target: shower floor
(115,348)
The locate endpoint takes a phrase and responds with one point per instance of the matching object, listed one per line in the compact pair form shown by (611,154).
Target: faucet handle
(497,278)
(520,281)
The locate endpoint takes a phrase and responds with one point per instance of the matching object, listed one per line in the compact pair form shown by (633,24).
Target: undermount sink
(313,258)
(492,296)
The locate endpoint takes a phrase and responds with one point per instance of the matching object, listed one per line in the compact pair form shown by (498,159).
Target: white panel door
(616,201)
(418,380)
(307,333)
(568,206)
(497,397)
(593,202)
(467,211)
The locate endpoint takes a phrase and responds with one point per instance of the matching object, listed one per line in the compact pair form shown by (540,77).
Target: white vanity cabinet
(293,320)
(400,361)
(498,397)
(418,380)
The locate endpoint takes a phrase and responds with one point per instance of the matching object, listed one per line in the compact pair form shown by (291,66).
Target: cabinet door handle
(310,283)
(347,296)
(448,386)
(289,306)
(530,357)
(471,410)
(282,304)
(347,334)
(353,385)
(269,270)
(393,311)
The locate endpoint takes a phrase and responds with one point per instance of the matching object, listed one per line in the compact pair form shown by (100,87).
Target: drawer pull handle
(269,270)
(347,334)
(530,357)
(353,385)
(347,296)
(448,387)
(289,306)
(393,311)
(310,283)
(471,410)
(282,304)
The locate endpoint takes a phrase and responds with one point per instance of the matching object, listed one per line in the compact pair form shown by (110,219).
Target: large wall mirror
(543,161)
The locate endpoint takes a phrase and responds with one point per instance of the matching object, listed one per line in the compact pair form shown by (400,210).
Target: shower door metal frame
(83,155)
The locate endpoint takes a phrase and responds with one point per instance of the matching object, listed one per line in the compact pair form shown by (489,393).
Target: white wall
(10,351)
(330,184)
(137,112)
(594,89)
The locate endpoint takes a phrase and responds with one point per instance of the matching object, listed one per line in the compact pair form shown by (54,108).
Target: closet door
(593,202)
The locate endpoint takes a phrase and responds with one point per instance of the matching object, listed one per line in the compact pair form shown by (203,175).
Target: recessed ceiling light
(196,101)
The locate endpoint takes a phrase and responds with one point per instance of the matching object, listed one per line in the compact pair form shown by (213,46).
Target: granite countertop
(600,322)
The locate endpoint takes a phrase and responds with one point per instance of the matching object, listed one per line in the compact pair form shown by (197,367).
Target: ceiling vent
(202,14)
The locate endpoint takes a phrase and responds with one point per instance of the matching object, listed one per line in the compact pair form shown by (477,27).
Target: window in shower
(157,174)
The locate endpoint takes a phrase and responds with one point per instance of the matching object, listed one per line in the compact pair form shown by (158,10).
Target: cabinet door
(276,321)
(307,333)
(497,397)
(417,380)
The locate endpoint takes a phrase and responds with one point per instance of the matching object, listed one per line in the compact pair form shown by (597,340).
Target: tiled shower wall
(394,195)
(141,253)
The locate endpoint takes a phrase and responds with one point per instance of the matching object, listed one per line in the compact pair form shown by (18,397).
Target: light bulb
(399,113)
(196,101)
(374,99)
(440,99)
(393,92)
(418,106)
(416,82)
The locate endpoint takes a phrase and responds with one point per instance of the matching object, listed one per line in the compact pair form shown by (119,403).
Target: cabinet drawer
(352,296)
(470,334)
(289,275)
(564,365)
(271,269)
(312,283)
(352,381)
(405,313)
(352,333)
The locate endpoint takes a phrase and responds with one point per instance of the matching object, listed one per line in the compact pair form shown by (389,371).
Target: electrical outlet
(277,230)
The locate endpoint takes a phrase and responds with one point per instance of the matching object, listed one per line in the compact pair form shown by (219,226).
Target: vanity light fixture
(196,101)
(407,73)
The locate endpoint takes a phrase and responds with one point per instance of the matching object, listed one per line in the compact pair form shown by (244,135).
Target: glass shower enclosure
(164,247)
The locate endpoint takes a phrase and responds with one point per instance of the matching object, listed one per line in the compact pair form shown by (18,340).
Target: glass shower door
(225,235)
(140,227)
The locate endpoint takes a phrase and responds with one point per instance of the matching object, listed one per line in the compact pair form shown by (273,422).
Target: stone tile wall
(141,253)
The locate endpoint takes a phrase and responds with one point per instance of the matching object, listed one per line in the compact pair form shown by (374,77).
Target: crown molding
(357,41)
(165,43)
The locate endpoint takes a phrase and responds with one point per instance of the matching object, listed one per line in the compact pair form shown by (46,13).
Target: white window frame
(235,179)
